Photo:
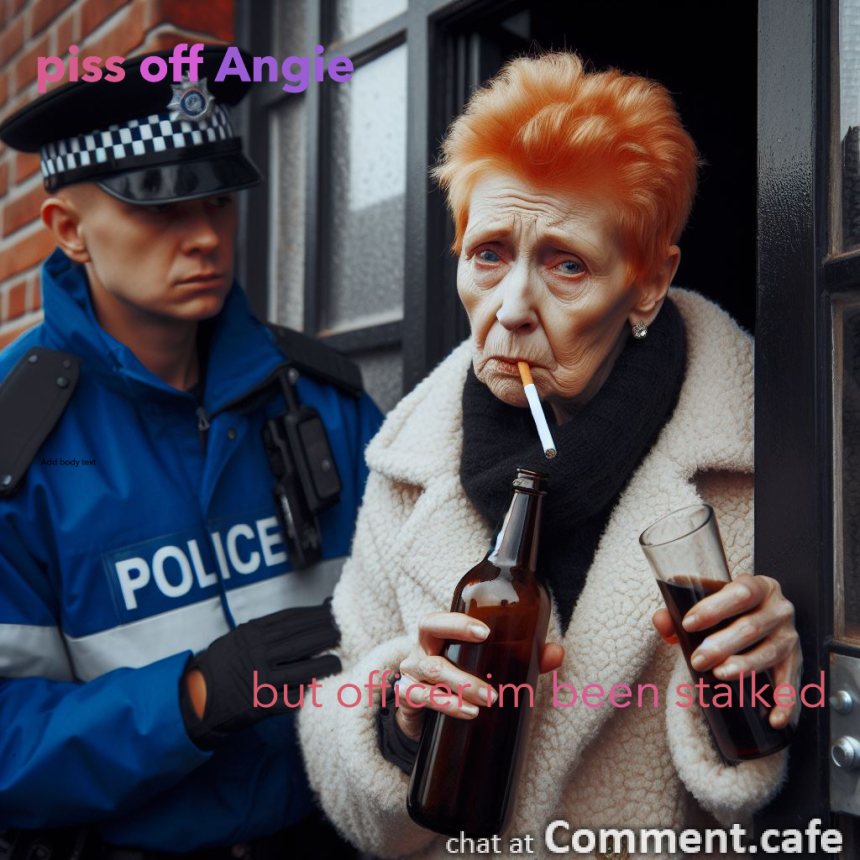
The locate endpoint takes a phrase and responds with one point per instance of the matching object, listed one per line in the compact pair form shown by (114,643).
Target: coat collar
(710,429)
(242,352)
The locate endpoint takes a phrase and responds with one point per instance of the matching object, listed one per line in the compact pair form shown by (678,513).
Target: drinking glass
(686,554)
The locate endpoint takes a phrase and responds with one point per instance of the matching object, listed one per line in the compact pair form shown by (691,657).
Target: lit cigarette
(537,410)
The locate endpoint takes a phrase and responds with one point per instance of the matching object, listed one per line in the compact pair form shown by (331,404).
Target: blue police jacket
(132,542)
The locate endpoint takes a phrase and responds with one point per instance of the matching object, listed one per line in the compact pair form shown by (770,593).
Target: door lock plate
(844,758)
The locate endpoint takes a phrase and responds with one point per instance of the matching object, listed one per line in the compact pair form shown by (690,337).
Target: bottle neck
(516,544)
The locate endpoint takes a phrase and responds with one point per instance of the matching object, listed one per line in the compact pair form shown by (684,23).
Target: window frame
(442,68)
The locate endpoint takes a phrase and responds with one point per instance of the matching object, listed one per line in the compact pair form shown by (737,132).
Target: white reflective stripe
(142,642)
(194,627)
(28,651)
(308,587)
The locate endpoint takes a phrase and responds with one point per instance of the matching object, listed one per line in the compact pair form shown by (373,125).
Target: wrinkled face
(173,261)
(542,277)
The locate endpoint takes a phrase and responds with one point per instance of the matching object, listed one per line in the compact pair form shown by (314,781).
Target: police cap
(141,141)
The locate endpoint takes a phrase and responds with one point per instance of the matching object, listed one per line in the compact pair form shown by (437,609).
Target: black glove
(279,648)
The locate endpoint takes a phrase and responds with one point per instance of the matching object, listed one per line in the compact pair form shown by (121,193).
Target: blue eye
(488,256)
(571,267)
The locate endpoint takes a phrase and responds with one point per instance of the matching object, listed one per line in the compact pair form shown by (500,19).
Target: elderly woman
(569,190)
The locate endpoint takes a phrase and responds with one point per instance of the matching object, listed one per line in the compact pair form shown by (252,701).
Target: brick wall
(34,28)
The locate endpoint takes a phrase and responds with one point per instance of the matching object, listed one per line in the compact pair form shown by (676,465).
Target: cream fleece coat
(417,534)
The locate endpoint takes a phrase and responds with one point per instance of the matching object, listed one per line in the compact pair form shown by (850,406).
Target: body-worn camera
(307,480)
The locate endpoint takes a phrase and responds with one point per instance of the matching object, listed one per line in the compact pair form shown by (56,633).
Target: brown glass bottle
(466,771)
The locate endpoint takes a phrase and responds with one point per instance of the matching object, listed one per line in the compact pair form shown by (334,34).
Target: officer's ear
(62,218)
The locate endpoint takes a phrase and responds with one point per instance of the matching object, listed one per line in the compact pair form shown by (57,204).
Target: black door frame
(445,65)
(794,519)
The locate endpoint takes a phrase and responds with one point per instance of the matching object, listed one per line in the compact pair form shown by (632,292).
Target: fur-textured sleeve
(362,793)
(731,794)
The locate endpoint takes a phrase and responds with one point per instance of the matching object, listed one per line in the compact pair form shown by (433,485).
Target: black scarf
(599,449)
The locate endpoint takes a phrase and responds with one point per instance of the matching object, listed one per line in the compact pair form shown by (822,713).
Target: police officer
(164,472)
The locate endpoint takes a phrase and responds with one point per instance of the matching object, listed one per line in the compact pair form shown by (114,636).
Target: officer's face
(173,260)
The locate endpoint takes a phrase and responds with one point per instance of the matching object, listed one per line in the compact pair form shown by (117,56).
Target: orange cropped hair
(548,120)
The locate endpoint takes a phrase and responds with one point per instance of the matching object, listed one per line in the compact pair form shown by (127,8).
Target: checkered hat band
(130,140)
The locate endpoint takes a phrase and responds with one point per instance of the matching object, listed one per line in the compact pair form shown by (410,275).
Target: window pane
(382,372)
(287,206)
(289,30)
(363,243)
(287,176)
(847,473)
(352,17)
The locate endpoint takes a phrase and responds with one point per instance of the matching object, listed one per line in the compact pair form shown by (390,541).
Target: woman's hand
(764,623)
(424,665)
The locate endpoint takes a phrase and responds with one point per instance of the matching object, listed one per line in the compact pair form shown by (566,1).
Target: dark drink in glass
(687,557)
(742,731)
(466,771)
